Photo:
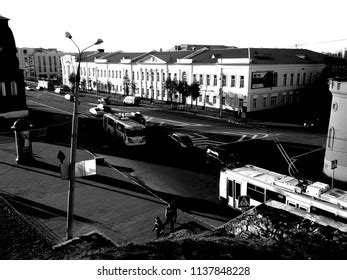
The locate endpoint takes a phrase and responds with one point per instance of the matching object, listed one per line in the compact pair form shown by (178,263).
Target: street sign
(334,164)
(244,201)
(82,168)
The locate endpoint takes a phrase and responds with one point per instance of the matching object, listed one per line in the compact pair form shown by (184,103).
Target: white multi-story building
(38,63)
(335,161)
(243,79)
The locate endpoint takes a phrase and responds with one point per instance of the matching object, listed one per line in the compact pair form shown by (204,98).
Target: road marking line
(51,107)
(243,137)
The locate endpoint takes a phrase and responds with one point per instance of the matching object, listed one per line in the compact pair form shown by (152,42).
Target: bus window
(290,203)
(256,193)
(270,195)
(303,208)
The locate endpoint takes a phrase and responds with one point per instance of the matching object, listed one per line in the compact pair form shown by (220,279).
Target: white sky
(145,25)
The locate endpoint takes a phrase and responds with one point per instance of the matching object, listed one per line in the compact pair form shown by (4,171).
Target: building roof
(171,57)
(3,18)
(211,56)
(261,56)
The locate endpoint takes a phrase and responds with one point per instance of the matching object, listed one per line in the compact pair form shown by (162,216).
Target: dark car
(180,141)
(218,157)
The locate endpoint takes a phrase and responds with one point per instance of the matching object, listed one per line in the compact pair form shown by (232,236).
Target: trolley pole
(221,94)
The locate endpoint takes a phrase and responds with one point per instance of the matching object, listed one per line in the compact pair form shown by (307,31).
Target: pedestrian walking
(174,208)
(170,215)
(158,226)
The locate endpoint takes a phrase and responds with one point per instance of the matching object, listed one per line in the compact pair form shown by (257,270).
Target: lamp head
(68,35)
(98,42)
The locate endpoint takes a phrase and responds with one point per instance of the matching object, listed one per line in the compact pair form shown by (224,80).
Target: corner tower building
(336,146)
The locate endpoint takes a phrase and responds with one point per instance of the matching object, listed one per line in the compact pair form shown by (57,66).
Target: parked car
(96,111)
(131,100)
(180,140)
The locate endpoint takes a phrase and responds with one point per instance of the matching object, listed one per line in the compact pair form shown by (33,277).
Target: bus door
(233,192)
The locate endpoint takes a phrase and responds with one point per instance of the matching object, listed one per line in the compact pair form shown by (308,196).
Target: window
(2,89)
(298,78)
(208,79)
(201,79)
(109,74)
(254,103)
(275,79)
(120,74)
(214,99)
(184,76)
(200,98)
(291,203)
(232,81)
(105,73)
(264,101)
(304,79)
(331,136)
(214,80)
(147,76)
(291,79)
(207,98)
(273,100)
(158,78)
(338,86)
(112,73)
(242,81)
(175,76)
(163,77)
(284,79)
(14,88)
(256,193)
(234,189)
(223,100)
(224,80)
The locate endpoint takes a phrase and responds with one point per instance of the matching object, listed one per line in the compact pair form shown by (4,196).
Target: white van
(131,100)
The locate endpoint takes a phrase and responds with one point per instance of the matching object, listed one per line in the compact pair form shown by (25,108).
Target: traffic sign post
(244,202)
(333,167)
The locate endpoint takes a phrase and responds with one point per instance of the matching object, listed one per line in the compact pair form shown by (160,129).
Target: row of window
(12,89)
(274,101)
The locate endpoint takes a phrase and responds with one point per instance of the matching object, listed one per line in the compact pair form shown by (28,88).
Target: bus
(128,131)
(258,185)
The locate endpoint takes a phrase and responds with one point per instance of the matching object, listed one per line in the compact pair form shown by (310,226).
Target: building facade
(238,79)
(38,63)
(12,92)
(336,146)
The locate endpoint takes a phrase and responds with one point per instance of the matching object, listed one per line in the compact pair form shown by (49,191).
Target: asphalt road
(169,173)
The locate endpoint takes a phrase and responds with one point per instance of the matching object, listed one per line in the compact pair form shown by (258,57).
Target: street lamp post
(74,132)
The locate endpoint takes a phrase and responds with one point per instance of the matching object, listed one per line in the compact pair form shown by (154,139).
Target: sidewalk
(108,202)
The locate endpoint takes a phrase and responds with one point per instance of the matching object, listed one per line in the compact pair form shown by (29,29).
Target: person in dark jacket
(158,226)
(170,216)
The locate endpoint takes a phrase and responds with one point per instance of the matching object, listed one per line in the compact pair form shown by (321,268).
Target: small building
(39,63)
(335,160)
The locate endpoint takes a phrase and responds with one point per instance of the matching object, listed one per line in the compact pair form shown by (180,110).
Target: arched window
(275,79)
(331,137)
(184,76)
(14,88)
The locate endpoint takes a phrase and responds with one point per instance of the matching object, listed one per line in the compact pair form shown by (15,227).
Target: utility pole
(74,132)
